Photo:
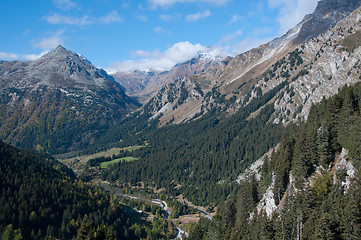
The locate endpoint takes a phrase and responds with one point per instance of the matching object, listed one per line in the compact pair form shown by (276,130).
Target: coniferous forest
(204,156)
(317,197)
(42,199)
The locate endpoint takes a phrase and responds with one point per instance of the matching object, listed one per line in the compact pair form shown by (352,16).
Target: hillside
(61,95)
(311,57)
(308,188)
(41,199)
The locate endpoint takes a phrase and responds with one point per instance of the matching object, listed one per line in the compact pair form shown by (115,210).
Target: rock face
(61,95)
(312,61)
(326,15)
(329,61)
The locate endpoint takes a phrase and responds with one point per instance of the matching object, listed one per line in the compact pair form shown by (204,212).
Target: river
(165,208)
(164,205)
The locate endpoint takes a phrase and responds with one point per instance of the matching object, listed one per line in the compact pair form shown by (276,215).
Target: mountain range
(236,81)
(63,94)
(267,141)
(143,85)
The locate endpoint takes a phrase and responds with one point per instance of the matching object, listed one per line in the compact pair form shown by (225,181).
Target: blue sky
(128,34)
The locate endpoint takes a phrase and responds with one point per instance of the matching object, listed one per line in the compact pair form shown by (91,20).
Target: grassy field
(125,159)
(85,158)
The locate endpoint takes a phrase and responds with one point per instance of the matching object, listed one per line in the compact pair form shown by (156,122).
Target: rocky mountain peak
(61,94)
(58,68)
(325,16)
(57,53)
(60,47)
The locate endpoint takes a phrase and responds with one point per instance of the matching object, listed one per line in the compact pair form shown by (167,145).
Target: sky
(122,35)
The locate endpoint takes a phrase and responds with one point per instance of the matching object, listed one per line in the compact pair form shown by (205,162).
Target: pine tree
(355,149)
(85,232)
(351,221)
(323,229)
(8,234)
(346,116)
(11,234)
(323,145)
(333,107)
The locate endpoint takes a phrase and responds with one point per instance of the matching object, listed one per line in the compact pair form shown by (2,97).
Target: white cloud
(50,42)
(142,18)
(197,16)
(142,54)
(112,17)
(65,4)
(168,17)
(248,44)
(168,3)
(292,11)
(33,57)
(235,18)
(8,56)
(235,43)
(178,53)
(46,44)
(126,5)
(230,37)
(62,19)
(160,30)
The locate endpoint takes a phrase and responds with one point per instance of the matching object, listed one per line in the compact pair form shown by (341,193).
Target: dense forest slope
(310,186)
(42,199)
(200,159)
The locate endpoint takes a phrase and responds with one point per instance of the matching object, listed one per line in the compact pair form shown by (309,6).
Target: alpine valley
(263,145)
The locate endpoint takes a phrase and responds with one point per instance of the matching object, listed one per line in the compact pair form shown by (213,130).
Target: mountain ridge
(245,76)
(145,84)
(60,94)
